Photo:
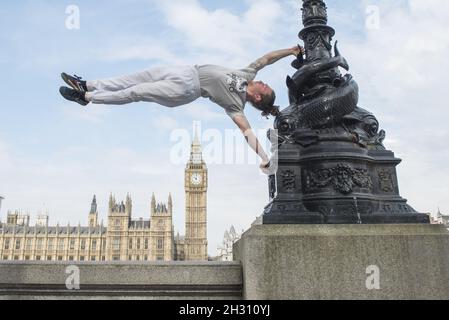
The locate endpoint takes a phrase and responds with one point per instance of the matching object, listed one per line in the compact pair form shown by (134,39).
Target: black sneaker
(75,82)
(74,95)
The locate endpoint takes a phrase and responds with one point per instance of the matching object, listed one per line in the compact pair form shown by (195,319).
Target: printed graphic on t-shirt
(236,83)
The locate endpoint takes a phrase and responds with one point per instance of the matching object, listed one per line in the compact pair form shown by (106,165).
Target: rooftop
(52,230)
(140,224)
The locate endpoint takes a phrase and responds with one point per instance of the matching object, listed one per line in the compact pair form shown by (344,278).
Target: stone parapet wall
(149,281)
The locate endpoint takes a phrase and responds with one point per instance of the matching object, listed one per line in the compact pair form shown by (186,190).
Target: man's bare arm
(245,127)
(275,56)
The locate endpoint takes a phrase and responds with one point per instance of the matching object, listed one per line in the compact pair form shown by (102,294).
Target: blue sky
(56,155)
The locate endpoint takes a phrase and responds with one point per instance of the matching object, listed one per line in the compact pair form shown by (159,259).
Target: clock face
(196,179)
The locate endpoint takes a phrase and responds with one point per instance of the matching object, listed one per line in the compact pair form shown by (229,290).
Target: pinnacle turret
(153,204)
(170,204)
(196,155)
(111,202)
(94,207)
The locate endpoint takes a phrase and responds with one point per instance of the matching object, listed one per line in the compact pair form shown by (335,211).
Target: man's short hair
(266,105)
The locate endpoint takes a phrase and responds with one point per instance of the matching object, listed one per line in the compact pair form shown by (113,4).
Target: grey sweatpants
(168,86)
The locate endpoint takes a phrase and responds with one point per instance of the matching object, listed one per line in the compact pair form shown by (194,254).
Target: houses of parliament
(123,239)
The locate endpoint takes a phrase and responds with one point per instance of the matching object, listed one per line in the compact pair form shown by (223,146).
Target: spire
(170,204)
(196,155)
(93,215)
(153,198)
(196,140)
(232,232)
(153,204)
(93,207)
(111,202)
(129,204)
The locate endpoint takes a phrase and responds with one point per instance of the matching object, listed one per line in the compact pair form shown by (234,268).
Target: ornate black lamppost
(332,164)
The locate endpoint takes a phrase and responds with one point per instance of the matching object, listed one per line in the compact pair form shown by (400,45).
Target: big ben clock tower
(196,183)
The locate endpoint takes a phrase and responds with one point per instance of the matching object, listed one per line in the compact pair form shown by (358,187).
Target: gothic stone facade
(123,239)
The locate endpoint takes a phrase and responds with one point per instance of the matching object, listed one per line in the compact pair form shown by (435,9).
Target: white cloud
(220,30)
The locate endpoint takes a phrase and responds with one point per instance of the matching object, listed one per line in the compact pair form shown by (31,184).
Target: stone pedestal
(337,183)
(330,262)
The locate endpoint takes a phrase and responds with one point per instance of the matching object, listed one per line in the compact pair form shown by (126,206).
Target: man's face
(262,88)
